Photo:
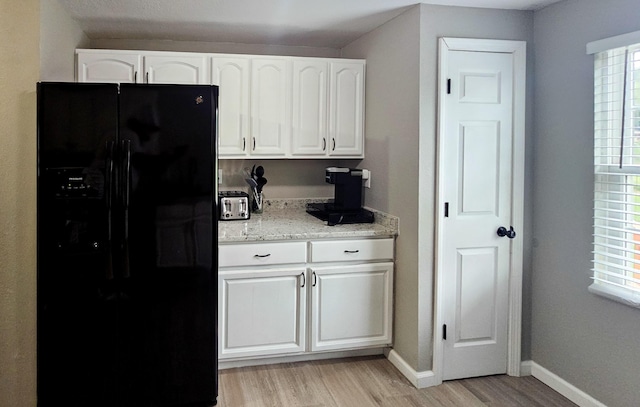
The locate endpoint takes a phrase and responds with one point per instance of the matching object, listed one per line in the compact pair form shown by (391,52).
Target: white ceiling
(315,23)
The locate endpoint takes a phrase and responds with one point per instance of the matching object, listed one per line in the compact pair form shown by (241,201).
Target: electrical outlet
(366,177)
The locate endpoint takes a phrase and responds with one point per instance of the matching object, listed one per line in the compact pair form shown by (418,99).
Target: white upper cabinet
(124,67)
(270,106)
(346,113)
(309,119)
(232,75)
(177,68)
(328,108)
(143,67)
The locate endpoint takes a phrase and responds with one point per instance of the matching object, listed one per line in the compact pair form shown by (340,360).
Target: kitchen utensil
(259,171)
(252,183)
(261,182)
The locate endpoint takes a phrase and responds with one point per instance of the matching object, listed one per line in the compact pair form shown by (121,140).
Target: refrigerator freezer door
(76,298)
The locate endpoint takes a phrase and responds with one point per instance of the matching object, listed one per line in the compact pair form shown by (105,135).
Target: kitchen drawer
(261,254)
(352,250)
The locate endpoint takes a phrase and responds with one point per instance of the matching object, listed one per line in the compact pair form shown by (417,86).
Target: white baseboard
(527,368)
(229,364)
(419,379)
(563,387)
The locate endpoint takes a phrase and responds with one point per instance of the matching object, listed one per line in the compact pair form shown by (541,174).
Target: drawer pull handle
(304,280)
(352,251)
(262,255)
(315,279)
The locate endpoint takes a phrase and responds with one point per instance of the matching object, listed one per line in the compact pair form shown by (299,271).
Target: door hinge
(448,86)
(444,332)
(446,209)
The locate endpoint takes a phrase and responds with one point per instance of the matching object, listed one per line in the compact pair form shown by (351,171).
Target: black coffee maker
(347,204)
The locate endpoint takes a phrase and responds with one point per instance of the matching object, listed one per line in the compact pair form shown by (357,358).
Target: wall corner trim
(525,368)
(419,379)
(563,387)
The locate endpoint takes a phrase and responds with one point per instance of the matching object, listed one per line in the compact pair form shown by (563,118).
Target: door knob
(502,231)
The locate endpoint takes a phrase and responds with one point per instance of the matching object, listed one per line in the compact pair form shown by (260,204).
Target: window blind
(616,204)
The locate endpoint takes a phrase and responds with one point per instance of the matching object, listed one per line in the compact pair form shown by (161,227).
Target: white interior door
(477,178)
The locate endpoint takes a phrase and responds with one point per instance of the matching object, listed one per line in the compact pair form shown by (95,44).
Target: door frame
(514,334)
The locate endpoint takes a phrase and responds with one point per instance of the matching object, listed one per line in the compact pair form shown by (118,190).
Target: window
(616,213)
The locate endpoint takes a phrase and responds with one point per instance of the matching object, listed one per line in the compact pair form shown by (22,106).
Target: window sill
(619,295)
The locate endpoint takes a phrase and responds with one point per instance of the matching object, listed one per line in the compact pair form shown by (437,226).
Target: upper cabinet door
(109,67)
(177,69)
(232,75)
(270,106)
(309,121)
(346,114)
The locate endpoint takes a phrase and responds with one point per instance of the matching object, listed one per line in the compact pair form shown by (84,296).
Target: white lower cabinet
(261,312)
(351,306)
(279,298)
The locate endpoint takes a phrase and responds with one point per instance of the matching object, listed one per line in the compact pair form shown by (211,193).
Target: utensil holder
(257,202)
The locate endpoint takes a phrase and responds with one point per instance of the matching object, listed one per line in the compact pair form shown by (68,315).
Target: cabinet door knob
(315,279)
(304,280)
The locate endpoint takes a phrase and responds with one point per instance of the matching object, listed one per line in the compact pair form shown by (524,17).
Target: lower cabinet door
(261,312)
(351,306)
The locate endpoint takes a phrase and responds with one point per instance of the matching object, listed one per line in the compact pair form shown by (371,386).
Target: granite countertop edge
(287,219)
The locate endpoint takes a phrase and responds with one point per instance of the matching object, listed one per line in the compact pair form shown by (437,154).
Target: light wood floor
(371,381)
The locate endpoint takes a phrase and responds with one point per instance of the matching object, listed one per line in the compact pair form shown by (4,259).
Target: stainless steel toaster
(233,205)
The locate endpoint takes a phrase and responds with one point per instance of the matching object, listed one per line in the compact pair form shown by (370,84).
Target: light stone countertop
(288,220)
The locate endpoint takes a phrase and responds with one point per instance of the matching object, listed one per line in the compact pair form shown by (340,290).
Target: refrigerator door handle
(109,175)
(126,190)
(126,182)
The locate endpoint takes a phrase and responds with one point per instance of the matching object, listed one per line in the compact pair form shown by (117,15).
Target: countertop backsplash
(287,178)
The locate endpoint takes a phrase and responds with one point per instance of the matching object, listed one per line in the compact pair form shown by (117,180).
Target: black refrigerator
(127,245)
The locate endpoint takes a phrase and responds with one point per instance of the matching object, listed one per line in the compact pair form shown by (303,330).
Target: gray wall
(392,154)
(401,105)
(591,342)
(227,47)
(60,35)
